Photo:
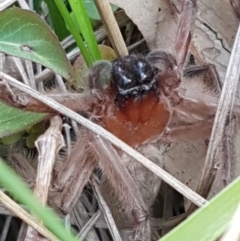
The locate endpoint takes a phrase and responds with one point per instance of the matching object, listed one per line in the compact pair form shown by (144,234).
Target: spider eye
(132,76)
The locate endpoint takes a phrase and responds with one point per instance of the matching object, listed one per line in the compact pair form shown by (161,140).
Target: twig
(26,217)
(19,65)
(48,145)
(89,225)
(79,217)
(225,106)
(111,26)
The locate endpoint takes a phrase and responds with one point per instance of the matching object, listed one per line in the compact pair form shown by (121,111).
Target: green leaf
(18,189)
(13,120)
(209,222)
(34,132)
(57,20)
(8,140)
(92,10)
(24,34)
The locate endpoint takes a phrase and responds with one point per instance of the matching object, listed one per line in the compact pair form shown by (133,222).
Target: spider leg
(183,36)
(75,174)
(182,41)
(75,101)
(125,189)
(207,73)
(198,93)
(201,129)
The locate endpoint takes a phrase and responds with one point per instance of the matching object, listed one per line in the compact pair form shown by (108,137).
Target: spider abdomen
(137,121)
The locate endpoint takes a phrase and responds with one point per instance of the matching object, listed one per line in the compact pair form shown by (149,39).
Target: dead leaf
(214,33)
(156,20)
(185,162)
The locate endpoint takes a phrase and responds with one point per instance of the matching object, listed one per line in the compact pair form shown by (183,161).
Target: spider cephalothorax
(132,77)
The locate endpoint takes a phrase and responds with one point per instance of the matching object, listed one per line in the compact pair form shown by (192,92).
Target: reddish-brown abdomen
(137,121)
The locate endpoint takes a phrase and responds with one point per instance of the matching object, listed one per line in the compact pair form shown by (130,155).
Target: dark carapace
(132,77)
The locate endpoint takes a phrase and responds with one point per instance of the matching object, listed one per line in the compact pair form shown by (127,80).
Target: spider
(136,104)
(137,99)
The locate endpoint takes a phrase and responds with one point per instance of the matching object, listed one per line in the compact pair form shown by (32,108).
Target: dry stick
(225,107)
(172,181)
(89,225)
(48,145)
(111,26)
(26,217)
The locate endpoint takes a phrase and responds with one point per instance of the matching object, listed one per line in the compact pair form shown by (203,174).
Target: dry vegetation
(146,25)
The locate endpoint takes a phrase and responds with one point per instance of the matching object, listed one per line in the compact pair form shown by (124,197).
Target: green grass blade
(84,24)
(57,20)
(209,222)
(70,25)
(17,188)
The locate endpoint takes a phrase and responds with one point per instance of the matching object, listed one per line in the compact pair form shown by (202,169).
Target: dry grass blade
(225,107)
(112,28)
(26,217)
(48,145)
(80,218)
(20,67)
(4,4)
(6,227)
(23,4)
(180,187)
(30,71)
(89,225)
